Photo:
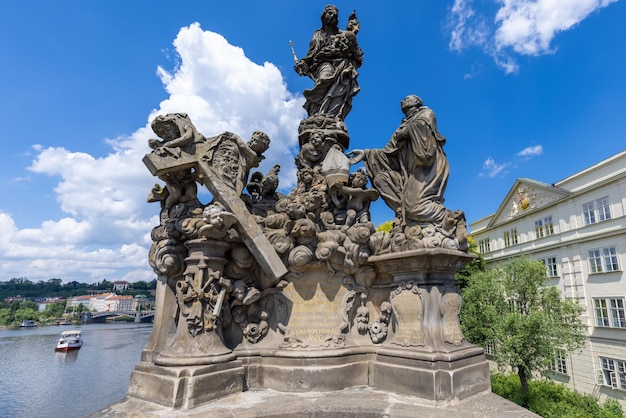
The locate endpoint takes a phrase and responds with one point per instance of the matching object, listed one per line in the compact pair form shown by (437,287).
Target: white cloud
(524,27)
(467,27)
(531,151)
(491,168)
(222,90)
(528,26)
(106,234)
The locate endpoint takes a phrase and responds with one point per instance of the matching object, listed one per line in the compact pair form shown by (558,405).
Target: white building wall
(569,245)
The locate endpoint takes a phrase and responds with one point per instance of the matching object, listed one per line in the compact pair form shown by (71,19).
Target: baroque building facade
(577,228)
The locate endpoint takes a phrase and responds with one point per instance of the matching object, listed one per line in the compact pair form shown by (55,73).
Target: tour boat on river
(70,340)
(28,323)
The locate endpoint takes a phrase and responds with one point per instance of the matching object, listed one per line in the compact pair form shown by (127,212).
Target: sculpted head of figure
(358,179)
(410,102)
(330,16)
(167,126)
(214,216)
(316,139)
(259,142)
(306,175)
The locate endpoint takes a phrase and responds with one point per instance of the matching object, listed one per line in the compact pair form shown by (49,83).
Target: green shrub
(554,400)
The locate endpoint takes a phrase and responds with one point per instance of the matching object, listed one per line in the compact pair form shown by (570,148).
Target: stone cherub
(218,221)
(359,198)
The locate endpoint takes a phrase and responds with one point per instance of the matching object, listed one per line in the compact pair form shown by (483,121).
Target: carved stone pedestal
(185,387)
(193,366)
(427,355)
(307,371)
(432,376)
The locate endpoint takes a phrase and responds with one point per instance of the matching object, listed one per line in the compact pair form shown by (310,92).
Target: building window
(610,259)
(613,373)
(600,209)
(539,229)
(603,260)
(588,214)
(549,225)
(510,237)
(610,312)
(604,210)
(544,227)
(551,269)
(602,312)
(484,245)
(595,262)
(560,362)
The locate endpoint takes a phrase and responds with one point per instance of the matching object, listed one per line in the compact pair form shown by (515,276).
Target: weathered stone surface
(424,265)
(298,292)
(331,62)
(320,371)
(227,195)
(437,380)
(185,387)
(358,402)
(319,308)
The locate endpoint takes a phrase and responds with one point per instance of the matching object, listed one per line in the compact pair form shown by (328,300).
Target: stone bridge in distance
(146,316)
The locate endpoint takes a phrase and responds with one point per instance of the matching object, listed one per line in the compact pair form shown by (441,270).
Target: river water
(36,381)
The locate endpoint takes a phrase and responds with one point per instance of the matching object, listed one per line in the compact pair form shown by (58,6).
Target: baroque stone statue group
(298,291)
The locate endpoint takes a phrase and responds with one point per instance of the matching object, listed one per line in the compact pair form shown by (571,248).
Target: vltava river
(36,381)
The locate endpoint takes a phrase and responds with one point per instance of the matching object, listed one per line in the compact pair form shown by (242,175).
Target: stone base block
(185,387)
(438,379)
(319,374)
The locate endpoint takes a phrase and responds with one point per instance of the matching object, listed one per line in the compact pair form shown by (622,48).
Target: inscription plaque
(319,305)
(408,308)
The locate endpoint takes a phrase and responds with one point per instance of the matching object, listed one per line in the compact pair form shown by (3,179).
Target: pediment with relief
(526,197)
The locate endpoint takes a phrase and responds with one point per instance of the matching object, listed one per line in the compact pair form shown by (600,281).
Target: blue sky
(521,88)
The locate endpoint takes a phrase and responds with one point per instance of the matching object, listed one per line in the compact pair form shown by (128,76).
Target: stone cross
(248,229)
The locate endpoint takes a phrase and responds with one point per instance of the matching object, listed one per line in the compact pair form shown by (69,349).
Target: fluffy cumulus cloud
(524,27)
(106,231)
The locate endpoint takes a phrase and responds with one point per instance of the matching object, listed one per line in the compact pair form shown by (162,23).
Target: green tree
(81,308)
(511,307)
(53,310)
(25,313)
(385,226)
(5,316)
(474,266)
(105,285)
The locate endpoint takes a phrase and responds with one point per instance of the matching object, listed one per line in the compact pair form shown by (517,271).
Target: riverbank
(38,381)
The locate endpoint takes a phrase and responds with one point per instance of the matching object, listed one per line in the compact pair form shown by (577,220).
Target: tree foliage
(55,288)
(385,226)
(15,312)
(550,399)
(473,267)
(54,310)
(510,307)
